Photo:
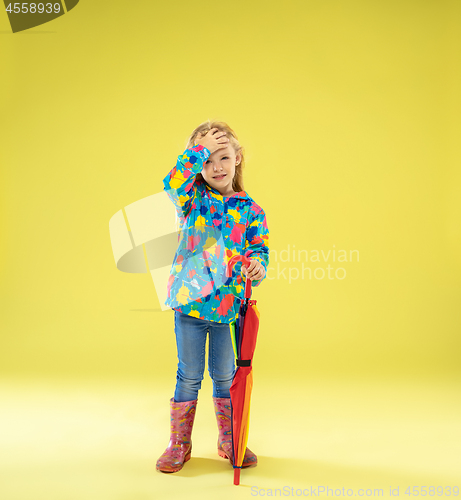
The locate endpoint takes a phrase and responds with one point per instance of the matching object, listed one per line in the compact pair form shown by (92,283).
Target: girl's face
(219,170)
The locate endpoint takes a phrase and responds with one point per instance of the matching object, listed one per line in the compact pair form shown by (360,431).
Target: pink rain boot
(223,413)
(179,448)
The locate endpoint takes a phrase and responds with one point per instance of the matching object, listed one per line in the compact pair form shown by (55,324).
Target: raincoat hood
(243,195)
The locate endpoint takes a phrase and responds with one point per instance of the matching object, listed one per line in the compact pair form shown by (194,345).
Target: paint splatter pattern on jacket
(214,228)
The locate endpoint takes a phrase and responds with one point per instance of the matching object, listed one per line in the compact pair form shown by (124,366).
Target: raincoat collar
(241,194)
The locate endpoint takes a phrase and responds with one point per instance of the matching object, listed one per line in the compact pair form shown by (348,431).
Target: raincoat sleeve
(257,240)
(179,184)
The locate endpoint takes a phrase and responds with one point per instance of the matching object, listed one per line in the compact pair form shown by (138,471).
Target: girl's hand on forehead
(213,140)
(255,270)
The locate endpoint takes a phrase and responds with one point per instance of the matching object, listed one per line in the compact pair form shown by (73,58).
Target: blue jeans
(191,336)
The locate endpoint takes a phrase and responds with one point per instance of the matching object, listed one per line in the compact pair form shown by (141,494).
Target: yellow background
(349,115)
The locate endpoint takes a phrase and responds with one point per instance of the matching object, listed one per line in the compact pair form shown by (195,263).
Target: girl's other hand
(213,140)
(255,270)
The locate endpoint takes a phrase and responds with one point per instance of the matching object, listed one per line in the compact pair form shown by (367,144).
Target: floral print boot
(179,448)
(223,417)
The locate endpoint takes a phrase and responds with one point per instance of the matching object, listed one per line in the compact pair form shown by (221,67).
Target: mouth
(219,177)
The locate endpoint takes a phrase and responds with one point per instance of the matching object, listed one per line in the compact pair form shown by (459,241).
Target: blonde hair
(204,128)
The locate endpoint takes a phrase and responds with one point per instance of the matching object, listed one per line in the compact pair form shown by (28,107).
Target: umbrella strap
(243,362)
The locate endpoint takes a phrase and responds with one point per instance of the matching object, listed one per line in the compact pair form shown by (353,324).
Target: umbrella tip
(237,476)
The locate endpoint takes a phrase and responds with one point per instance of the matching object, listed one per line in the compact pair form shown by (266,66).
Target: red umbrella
(244,331)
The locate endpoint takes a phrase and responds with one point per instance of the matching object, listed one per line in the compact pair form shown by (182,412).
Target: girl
(218,220)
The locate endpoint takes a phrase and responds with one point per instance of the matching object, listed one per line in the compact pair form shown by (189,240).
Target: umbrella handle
(237,476)
(245,260)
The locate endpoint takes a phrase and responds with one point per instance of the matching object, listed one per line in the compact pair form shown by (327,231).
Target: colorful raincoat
(213,228)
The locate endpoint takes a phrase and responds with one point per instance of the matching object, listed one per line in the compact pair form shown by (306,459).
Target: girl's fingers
(260,273)
(246,272)
(258,277)
(253,272)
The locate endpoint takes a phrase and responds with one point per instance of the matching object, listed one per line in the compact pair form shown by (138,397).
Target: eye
(223,158)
